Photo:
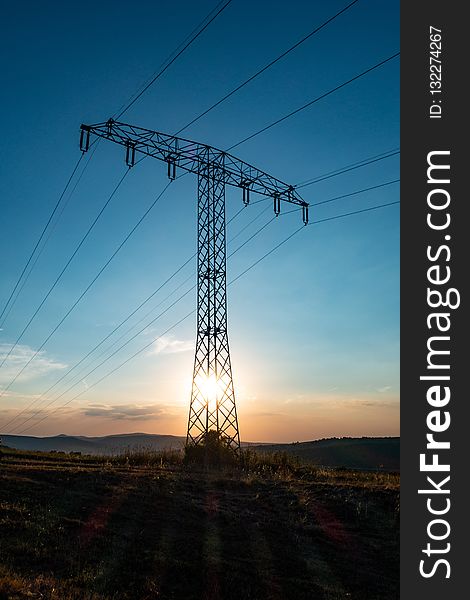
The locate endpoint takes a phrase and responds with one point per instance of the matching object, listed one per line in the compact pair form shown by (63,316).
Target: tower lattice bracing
(212,405)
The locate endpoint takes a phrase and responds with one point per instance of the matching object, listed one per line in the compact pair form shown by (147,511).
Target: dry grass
(144,526)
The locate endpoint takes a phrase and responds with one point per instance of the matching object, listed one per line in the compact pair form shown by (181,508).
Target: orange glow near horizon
(261,418)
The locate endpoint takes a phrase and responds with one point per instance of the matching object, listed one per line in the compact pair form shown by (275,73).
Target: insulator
(109,126)
(277,204)
(130,154)
(246,196)
(171,168)
(84,139)
(305,214)
(245,185)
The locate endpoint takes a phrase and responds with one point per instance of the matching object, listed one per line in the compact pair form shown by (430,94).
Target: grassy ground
(74,528)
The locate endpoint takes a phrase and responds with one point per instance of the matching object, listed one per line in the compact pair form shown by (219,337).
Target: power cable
(266,67)
(124,110)
(367,189)
(297,110)
(285,240)
(97,276)
(160,73)
(109,357)
(178,270)
(126,319)
(51,216)
(133,336)
(82,360)
(167,297)
(349,214)
(126,107)
(65,268)
(355,212)
(51,231)
(260,214)
(355,193)
(347,168)
(107,374)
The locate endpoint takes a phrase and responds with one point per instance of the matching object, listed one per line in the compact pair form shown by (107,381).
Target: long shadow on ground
(145,534)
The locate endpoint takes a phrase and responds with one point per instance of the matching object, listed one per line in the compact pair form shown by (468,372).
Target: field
(148,527)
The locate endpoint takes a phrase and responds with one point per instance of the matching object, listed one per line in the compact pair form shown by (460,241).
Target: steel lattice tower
(212,405)
(212,369)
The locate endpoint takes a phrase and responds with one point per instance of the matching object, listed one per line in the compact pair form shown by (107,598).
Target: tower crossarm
(180,153)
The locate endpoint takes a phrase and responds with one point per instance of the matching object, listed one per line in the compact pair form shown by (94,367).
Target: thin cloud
(384,389)
(121,412)
(266,414)
(369,402)
(41,365)
(338,401)
(22,396)
(170,345)
(36,413)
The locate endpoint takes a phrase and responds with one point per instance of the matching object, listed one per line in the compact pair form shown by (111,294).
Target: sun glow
(209,386)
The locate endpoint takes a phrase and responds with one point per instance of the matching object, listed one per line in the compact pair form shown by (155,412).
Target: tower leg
(212,404)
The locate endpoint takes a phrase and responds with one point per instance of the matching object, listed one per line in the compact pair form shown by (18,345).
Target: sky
(313,328)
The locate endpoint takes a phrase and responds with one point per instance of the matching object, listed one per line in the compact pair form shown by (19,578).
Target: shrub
(214,450)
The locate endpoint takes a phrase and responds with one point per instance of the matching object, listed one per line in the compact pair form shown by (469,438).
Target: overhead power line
(193,36)
(148,345)
(297,110)
(107,374)
(266,67)
(246,139)
(103,340)
(86,290)
(126,319)
(51,216)
(148,324)
(199,30)
(58,278)
(356,192)
(111,356)
(341,216)
(209,18)
(367,189)
(351,167)
(342,196)
(192,39)
(260,214)
(185,281)
(355,212)
(160,303)
(49,234)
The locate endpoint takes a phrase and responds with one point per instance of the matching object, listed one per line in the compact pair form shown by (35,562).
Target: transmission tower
(212,405)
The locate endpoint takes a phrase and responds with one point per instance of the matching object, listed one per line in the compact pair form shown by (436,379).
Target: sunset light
(210,388)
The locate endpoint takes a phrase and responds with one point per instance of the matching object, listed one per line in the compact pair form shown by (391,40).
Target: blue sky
(314,328)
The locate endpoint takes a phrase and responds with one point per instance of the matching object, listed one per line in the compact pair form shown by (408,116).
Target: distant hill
(357,453)
(109,444)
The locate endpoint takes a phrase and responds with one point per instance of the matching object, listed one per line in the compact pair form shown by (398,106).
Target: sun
(209,386)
